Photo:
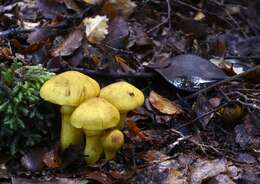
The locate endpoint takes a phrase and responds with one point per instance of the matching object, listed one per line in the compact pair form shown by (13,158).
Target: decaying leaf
(175,177)
(115,8)
(99,177)
(202,107)
(69,45)
(154,155)
(51,9)
(189,72)
(71,4)
(32,161)
(96,28)
(135,129)
(41,34)
(5,53)
(118,33)
(221,179)
(164,105)
(204,170)
(52,159)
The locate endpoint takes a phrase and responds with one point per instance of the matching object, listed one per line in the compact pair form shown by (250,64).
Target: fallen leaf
(189,72)
(204,170)
(41,34)
(167,172)
(246,158)
(33,161)
(96,28)
(249,47)
(76,58)
(135,129)
(99,177)
(164,105)
(221,179)
(71,4)
(5,53)
(51,9)
(199,16)
(69,44)
(116,8)
(118,33)
(26,50)
(202,107)
(175,177)
(154,155)
(52,159)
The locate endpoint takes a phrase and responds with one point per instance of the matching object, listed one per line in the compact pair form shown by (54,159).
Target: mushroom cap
(112,140)
(95,114)
(123,96)
(69,88)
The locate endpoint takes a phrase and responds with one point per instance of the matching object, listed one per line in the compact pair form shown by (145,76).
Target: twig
(248,104)
(203,115)
(221,82)
(167,20)
(14,31)
(144,75)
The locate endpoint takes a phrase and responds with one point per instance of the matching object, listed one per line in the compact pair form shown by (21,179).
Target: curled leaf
(96,28)
(164,105)
(115,8)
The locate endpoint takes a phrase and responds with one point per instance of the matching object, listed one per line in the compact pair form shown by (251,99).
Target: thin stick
(221,82)
(167,20)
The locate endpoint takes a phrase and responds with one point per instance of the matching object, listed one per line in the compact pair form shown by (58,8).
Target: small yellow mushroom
(124,96)
(112,141)
(94,116)
(69,89)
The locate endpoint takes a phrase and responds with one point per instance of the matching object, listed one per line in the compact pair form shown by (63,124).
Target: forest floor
(197,62)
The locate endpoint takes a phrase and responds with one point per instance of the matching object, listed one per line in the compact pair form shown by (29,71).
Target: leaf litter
(202,123)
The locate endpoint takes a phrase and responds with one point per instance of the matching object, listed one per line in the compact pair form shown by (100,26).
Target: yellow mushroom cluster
(87,109)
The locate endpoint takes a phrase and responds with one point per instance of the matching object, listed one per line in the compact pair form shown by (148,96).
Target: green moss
(25,120)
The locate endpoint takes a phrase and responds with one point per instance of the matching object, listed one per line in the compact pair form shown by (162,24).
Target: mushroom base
(93,148)
(112,141)
(69,134)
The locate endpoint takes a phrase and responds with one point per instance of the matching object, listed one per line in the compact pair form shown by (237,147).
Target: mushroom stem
(121,123)
(69,135)
(93,148)
(112,141)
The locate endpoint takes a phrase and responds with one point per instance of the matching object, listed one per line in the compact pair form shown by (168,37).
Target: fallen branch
(94,73)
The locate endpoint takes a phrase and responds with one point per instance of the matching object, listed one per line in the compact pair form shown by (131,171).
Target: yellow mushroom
(124,96)
(111,142)
(69,89)
(94,116)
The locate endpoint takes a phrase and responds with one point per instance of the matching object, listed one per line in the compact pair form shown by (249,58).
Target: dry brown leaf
(175,177)
(115,8)
(154,155)
(118,33)
(98,176)
(96,28)
(203,170)
(52,159)
(69,45)
(135,129)
(164,105)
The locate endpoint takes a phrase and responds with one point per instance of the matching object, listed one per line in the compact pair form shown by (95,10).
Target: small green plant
(25,120)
